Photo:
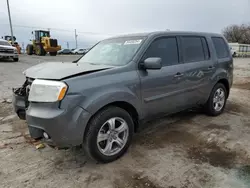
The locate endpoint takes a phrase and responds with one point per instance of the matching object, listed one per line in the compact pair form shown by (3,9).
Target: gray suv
(100,100)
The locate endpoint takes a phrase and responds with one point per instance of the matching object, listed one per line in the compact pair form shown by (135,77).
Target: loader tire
(29,49)
(40,51)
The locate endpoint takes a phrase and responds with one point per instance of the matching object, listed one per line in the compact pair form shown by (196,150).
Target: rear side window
(220,47)
(166,49)
(194,49)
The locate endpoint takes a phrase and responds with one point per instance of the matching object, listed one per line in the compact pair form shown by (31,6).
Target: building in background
(240,50)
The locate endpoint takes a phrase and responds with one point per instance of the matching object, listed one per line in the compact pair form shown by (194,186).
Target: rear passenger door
(199,68)
(160,89)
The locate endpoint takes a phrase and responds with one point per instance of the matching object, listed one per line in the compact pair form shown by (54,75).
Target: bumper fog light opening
(45,135)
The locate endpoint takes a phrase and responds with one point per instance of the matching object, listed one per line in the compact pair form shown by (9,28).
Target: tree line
(237,33)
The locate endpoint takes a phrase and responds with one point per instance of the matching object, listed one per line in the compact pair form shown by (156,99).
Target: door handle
(178,74)
(210,67)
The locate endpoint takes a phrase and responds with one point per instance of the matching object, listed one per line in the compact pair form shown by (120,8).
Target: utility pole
(11,30)
(67,45)
(23,50)
(76,38)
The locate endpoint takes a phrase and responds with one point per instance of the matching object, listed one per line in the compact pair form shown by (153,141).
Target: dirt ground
(185,150)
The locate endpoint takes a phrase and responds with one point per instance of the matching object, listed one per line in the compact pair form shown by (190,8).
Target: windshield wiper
(75,61)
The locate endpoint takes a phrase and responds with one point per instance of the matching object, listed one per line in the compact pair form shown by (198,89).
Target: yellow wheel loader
(43,44)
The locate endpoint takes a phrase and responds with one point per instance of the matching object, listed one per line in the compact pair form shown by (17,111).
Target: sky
(95,20)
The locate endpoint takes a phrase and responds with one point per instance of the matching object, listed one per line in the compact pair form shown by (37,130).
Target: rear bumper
(65,127)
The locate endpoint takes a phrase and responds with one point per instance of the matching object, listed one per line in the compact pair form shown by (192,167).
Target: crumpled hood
(7,47)
(58,71)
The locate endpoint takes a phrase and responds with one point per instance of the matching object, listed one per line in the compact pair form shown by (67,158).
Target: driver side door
(161,89)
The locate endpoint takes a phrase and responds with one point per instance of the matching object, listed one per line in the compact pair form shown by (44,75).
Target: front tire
(217,100)
(109,134)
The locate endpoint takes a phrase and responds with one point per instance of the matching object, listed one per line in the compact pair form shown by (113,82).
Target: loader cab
(39,34)
(8,38)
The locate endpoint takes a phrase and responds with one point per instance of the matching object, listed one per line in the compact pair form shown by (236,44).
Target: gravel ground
(185,150)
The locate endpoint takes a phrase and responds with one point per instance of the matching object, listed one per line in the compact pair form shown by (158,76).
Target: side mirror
(152,63)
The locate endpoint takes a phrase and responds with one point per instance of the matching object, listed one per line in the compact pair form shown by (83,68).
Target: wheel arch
(225,82)
(222,76)
(128,107)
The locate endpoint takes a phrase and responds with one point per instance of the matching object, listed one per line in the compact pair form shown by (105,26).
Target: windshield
(117,52)
(5,43)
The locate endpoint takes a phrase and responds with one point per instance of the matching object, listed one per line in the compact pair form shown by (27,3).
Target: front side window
(192,48)
(166,49)
(116,52)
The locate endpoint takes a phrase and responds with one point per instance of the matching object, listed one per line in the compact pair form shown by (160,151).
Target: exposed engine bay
(21,98)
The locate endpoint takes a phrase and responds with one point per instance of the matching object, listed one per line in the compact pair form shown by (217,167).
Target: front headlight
(47,91)
(15,51)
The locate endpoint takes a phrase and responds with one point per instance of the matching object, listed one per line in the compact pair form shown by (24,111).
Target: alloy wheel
(112,136)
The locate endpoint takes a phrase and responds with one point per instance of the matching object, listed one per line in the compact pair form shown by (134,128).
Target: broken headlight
(47,91)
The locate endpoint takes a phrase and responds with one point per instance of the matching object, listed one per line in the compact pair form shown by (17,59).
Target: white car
(79,51)
(8,51)
(233,52)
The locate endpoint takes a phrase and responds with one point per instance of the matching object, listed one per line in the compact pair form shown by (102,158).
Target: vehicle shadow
(77,159)
(6,61)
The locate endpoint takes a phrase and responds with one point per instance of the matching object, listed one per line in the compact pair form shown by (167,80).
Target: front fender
(96,101)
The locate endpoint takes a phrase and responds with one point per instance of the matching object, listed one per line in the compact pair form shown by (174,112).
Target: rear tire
(217,100)
(53,53)
(29,49)
(100,125)
(15,59)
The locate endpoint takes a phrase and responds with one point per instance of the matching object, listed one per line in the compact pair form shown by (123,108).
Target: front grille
(53,42)
(7,51)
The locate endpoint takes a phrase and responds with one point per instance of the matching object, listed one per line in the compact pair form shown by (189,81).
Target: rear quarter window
(221,47)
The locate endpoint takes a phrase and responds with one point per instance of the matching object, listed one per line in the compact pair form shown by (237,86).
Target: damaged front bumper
(64,125)
(20,100)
